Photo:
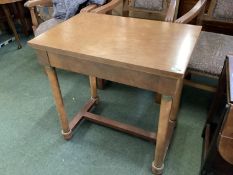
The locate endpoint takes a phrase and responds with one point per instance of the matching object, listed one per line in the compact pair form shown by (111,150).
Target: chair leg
(158,98)
(188,76)
(100,83)
(11,24)
(22,18)
(125,8)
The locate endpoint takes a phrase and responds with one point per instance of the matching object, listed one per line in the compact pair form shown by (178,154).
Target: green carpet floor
(30,139)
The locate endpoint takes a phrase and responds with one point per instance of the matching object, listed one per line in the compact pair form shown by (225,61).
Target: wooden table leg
(167,122)
(93,87)
(162,134)
(11,24)
(176,100)
(52,75)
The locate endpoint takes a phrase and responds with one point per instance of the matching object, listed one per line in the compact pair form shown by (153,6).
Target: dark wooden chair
(217,157)
(208,57)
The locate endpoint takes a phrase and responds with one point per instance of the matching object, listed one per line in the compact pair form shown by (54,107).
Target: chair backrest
(221,10)
(45,13)
(149,5)
(150,9)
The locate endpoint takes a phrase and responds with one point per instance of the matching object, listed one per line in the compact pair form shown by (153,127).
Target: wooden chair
(164,10)
(41,13)
(207,59)
(43,20)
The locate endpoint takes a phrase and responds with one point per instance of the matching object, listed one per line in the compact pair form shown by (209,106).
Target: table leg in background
(93,86)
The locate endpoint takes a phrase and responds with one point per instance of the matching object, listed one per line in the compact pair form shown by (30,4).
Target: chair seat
(210,52)
(43,27)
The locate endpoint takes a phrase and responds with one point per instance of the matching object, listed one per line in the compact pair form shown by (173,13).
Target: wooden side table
(146,54)
(4,6)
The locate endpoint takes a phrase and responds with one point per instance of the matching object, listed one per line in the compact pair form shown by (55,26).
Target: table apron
(161,84)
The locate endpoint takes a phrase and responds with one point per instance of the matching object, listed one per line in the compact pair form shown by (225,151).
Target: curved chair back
(164,10)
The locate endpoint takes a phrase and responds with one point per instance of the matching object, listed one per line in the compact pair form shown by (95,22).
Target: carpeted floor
(31,143)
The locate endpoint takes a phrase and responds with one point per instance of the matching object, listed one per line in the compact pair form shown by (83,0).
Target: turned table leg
(93,87)
(11,24)
(52,75)
(167,122)
(162,134)
(176,100)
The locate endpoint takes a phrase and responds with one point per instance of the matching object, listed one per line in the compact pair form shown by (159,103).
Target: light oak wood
(176,100)
(172,11)
(163,131)
(104,9)
(33,3)
(194,12)
(141,39)
(129,129)
(89,8)
(142,53)
(93,86)
(126,76)
(59,102)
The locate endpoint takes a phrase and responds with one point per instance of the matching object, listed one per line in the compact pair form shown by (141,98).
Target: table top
(8,1)
(138,44)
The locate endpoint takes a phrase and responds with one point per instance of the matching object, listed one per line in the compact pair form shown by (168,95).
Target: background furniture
(41,13)
(43,20)
(207,58)
(165,10)
(217,156)
(4,5)
(122,55)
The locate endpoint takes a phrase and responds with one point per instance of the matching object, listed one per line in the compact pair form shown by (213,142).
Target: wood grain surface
(145,45)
